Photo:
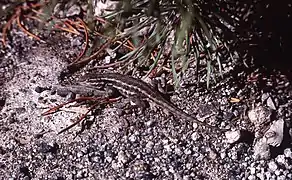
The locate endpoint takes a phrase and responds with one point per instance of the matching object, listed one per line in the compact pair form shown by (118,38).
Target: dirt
(120,144)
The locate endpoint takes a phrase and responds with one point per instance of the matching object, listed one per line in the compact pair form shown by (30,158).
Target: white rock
(261,176)
(288,153)
(122,157)
(272,166)
(271,104)
(232,136)
(73,10)
(107,59)
(251,177)
(252,170)
(281,159)
(195,136)
(274,136)
(261,149)
(259,115)
(277,172)
(265,96)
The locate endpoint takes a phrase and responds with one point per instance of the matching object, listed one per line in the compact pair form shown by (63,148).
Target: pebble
(259,115)
(187,151)
(122,157)
(261,150)
(278,172)
(81,174)
(178,151)
(232,136)
(288,153)
(271,104)
(265,96)
(233,155)
(268,175)
(281,159)
(281,177)
(167,147)
(275,134)
(195,126)
(107,59)
(272,166)
(73,10)
(149,145)
(285,172)
(251,177)
(212,155)
(79,154)
(261,176)
(109,159)
(150,123)
(252,170)
(195,136)
(132,138)
(222,155)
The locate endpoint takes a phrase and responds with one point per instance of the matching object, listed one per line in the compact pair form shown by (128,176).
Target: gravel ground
(125,143)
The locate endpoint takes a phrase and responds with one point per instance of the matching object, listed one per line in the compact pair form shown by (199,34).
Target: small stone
(261,149)
(271,104)
(107,59)
(187,151)
(261,176)
(272,166)
(281,159)
(268,175)
(79,154)
(259,116)
(252,170)
(73,10)
(265,96)
(232,136)
(81,174)
(251,177)
(222,155)
(277,172)
(122,158)
(150,123)
(109,159)
(178,151)
(111,52)
(212,155)
(71,96)
(167,147)
(282,177)
(285,172)
(195,136)
(149,145)
(58,10)
(288,153)
(274,136)
(132,138)
(233,155)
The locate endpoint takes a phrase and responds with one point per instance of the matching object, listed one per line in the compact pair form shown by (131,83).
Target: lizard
(131,86)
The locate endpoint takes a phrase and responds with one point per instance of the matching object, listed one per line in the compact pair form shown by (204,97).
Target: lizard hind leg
(136,105)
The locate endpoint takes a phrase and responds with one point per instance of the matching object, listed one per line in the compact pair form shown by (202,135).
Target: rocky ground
(122,142)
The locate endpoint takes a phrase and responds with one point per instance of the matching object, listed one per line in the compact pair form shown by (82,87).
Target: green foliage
(184,19)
